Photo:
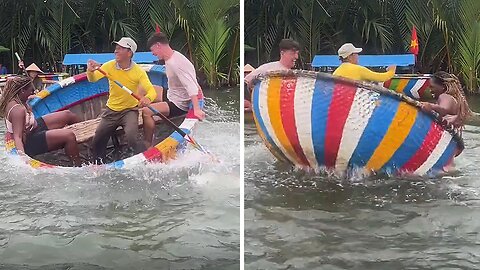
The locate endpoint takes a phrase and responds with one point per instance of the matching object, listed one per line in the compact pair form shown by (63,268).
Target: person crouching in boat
(183,87)
(350,68)
(450,103)
(33,71)
(121,108)
(289,50)
(36,136)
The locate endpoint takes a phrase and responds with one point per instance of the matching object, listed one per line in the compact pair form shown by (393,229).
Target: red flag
(157,28)
(414,42)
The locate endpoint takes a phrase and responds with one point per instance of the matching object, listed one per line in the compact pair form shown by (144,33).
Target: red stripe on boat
(387,83)
(191,114)
(153,154)
(287,112)
(422,89)
(80,77)
(81,101)
(429,143)
(342,99)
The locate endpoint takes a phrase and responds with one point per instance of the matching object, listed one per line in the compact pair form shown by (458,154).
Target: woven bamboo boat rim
(372,87)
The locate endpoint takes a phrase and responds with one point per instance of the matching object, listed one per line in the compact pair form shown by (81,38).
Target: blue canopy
(403,60)
(82,58)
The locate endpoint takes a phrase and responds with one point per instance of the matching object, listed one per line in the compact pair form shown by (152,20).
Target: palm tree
(205,31)
(448,30)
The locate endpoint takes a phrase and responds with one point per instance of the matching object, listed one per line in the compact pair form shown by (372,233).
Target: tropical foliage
(206,31)
(448,30)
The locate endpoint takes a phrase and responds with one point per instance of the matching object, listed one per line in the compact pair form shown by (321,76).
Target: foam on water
(304,220)
(183,214)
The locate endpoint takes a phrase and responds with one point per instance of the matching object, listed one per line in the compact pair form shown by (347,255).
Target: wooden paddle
(20,60)
(156,112)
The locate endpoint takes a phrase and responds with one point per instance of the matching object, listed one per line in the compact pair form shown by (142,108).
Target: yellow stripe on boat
(273,100)
(396,134)
(168,148)
(43,94)
(266,142)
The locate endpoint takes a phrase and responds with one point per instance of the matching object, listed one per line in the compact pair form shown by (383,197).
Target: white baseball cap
(348,49)
(127,43)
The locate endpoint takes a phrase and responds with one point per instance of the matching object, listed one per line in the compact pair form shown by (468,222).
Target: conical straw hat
(33,67)
(248,68)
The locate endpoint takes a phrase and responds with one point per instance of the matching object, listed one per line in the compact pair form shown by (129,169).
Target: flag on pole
(414,42)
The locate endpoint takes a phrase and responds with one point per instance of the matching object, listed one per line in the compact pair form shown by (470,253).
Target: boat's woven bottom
(117,150)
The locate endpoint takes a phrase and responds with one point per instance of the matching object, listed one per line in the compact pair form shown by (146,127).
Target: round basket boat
(315,120)
(87,100)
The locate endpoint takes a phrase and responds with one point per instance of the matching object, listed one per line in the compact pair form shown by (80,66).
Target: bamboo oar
(20,60)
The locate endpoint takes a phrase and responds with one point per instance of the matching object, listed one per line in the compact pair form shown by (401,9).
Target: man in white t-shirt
(289,50)
(182,90)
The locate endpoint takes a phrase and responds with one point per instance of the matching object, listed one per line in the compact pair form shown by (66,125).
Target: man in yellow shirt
(121,108)
(350,69)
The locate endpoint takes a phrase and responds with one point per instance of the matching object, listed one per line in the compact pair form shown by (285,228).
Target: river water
(296,220)
(183,215)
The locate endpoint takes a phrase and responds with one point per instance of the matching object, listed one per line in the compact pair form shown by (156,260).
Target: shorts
(174,110)
(36,140)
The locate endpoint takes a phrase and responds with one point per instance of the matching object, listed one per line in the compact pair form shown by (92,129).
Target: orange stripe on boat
(273,101)
(287,107)
(401,85)
(396,134)
(277,154)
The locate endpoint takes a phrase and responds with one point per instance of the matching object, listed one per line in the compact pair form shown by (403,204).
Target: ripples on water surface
(296,220)
(184,215)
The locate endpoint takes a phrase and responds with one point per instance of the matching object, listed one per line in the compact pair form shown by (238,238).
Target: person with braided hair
(36,136)
(450,101)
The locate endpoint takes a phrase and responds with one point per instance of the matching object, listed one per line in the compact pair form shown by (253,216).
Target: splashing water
(301,220)
(183,214)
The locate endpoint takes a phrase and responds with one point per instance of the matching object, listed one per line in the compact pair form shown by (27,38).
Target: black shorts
(36,140)
(174,110)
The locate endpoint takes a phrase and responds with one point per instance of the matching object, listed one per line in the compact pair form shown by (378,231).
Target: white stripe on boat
(303,117)
(362,108)
(417,87)
(436,153)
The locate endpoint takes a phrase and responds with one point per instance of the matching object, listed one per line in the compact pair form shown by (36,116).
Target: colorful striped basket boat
(315,120)
(78,95)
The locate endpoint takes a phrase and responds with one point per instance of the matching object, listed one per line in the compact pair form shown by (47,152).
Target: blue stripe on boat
(410,145)
(175,135)
(322,97)
(442,161)
(115,165)
(375,130)
(201,103)
(408,87)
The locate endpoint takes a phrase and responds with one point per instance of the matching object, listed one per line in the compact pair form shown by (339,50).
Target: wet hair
(11,91)
(453,87)
(289,44)
(157,37)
